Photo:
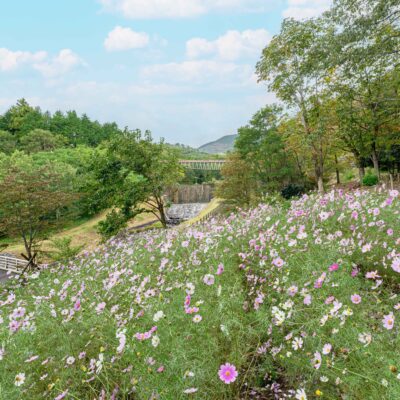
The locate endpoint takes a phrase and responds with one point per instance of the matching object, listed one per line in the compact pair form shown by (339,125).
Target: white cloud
(10,60)
(230,46)
(64,62)
(301,9)
(147,9)
(199,72)
(125,39)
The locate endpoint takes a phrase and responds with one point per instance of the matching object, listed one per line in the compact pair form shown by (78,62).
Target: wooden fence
(12,264)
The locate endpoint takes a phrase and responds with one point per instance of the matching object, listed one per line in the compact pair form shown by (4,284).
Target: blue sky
(182,68)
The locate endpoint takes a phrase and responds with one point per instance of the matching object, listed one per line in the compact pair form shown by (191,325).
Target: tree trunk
(337,170)
(161,210)
(28,247)
(319,175)
(360,166)
(321,188)
(374,156)
(319,171)
(361,173)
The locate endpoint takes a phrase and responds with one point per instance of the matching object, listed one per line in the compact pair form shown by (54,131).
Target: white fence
(12,264)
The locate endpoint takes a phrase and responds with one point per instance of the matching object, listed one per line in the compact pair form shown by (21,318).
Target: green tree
(40,140)
(260,144)
(238,186)
(133,175)
(364,54)
(30,201)
(293,65)
(8,143)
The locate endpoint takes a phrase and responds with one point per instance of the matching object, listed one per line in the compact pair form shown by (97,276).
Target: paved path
(4,276)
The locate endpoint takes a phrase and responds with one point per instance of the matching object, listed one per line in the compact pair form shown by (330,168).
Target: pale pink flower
(292,291)
(396,264)
(209,279)
(355,298)
(327,349)
(388,321)
(307,300)
(197,318)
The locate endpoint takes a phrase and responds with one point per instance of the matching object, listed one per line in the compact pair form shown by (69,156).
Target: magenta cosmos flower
(227,373)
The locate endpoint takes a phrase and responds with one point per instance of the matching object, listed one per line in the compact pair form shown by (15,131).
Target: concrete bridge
(205,165)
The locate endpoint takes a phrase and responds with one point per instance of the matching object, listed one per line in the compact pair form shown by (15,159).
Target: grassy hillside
(222,145)
(300,298)
(83,233)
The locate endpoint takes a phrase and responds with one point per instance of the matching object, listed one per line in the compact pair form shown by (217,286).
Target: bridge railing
(206,165)
(12,264)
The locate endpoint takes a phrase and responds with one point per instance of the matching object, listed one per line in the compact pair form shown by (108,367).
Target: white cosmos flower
(19,379)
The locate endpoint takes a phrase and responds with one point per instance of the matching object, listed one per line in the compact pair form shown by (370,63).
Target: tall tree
(293,65)
(364,54)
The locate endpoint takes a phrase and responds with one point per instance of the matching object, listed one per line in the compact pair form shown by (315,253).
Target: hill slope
(222,145)
(301,299)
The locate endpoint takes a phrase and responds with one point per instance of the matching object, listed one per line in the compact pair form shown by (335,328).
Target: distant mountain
(222,145)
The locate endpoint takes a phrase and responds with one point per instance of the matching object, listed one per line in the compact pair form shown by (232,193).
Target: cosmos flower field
(297,300)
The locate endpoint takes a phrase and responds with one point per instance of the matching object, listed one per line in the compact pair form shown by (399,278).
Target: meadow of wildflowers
(298,300)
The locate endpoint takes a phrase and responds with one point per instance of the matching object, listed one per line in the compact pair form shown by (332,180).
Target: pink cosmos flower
(372,275)
(327,349)
(334,267)
(330,300)
(61,395)
(388,321)
(390,232)
(187,301)
(318,283)
(396,264)
(100,307)
(14,326)
(356,298)
(208,279)
(292,291)
(278,262)
(77,305)
(220,269)
(227,373)
(316,361)
(307,300)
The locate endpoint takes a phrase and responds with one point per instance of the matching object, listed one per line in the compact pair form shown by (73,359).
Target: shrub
(370,180)
(349,176)
(114,222)
(292,190)
(63,249)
